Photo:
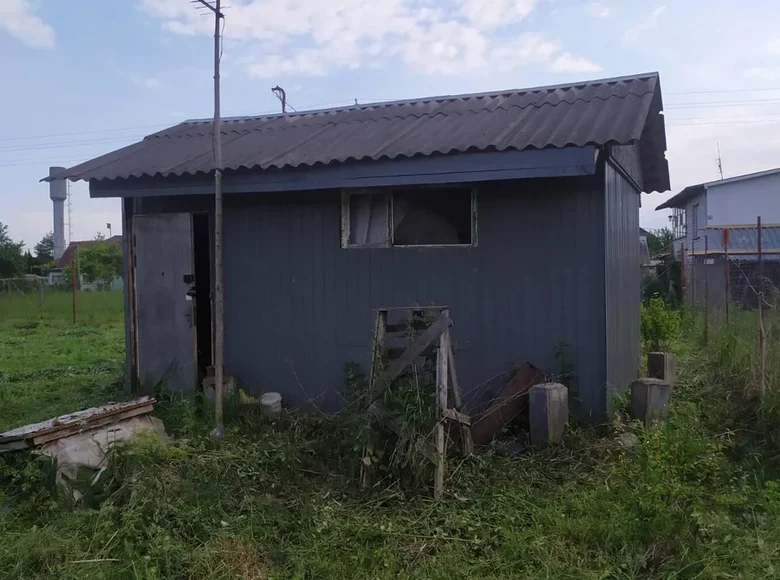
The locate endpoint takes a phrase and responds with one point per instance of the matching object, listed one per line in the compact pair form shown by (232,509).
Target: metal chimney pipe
(58,192)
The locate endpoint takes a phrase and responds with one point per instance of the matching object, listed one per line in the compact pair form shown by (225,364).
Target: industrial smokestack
(58,192)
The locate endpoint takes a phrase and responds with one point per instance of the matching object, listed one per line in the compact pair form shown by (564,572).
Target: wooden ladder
(449,410)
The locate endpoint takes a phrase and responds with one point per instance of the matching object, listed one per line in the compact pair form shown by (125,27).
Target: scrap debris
(37,434)
(80,441)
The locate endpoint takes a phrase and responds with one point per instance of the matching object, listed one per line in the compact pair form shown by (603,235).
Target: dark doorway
(201,244)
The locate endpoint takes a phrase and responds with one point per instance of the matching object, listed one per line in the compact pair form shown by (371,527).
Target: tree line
(100,261)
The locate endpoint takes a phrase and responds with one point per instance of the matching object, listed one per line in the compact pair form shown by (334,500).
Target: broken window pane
(367,219)
(424,217)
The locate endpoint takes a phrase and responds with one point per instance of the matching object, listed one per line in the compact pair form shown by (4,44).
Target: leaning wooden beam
(415,349)
(380,329)
(465,428)
(442,374)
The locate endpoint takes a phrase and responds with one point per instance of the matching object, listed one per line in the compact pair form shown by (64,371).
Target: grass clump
(691,498)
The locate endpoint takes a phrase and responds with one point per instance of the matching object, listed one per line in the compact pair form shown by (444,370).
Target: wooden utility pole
(761,328)
(726,269)
(706,290)
(219,296)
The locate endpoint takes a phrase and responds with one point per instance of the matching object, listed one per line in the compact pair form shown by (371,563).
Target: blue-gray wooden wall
(298,306)
(623,280)
(547,277)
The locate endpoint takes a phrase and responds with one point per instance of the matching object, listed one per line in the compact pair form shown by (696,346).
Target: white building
(704,210)
(712,219)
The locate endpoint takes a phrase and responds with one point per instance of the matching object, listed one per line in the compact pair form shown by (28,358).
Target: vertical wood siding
(298,306)
(623,290)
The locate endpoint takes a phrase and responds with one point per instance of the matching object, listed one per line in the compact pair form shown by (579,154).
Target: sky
(85,77)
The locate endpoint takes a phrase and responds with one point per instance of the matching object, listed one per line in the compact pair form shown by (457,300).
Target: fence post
(40,293)
(73,286)
(693,274)
(725,235)
(706,289)
(682,273)
(761,329)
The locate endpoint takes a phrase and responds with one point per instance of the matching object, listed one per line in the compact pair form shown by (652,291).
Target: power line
(715,91)
(764,122)
(720,103)
(32,137)
(42,146)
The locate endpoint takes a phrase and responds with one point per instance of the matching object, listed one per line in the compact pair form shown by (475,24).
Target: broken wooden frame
(449,410)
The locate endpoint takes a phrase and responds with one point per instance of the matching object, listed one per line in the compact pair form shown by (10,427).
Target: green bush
(659,324)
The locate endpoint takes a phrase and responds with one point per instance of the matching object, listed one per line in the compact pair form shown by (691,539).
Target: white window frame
(346,194)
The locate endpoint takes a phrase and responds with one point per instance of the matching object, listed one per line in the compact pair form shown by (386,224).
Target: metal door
(165,326)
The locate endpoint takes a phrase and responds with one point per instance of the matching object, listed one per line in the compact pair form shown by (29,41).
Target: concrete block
(548,412)
(650,399)
(661,365)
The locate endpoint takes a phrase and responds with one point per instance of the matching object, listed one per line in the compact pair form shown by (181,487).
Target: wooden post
(40,294)
(726,268)
(706,290)
(442,375)
(380,329)
(682,273)
(465,430)
(693,274)
(73,285)
(761,328)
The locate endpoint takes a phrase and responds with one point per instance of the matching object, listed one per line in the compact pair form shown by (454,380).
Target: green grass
(696,498)
(48,365)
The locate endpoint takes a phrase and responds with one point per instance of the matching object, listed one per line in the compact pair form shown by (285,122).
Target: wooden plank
(456,416)
(13,446)
(380,329)
(398,366)
(442,376)
(79,417)
(403,327)
(91,425)
(466,439)
(396,352)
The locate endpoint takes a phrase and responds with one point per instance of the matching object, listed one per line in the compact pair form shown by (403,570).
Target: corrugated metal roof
(680,200)
(611,111)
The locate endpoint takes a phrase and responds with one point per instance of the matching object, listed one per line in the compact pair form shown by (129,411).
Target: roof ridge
(408,115)
(439,98)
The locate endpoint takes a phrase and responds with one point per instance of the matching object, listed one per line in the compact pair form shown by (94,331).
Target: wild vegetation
(697,497)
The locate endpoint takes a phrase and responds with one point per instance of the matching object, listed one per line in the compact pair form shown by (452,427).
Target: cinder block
(661,365)
(548,412)
(650,399)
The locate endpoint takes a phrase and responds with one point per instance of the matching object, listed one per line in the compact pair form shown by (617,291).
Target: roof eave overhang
(472,167)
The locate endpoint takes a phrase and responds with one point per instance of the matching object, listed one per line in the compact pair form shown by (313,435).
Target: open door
(165,325)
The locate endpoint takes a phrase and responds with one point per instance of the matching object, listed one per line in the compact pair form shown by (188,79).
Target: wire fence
(34,298)
(732,270)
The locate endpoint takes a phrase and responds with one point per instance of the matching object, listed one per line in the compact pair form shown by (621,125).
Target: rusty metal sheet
(507,405)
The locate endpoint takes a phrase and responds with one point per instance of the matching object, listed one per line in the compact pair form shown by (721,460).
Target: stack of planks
(38,434)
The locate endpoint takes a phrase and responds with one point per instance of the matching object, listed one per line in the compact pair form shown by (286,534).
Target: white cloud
(567,62)
(529,48)
(598,10)
(495,13)
(152,83)
(648,23)
(287,37)
(773,46)
(763,73)
(17,18)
